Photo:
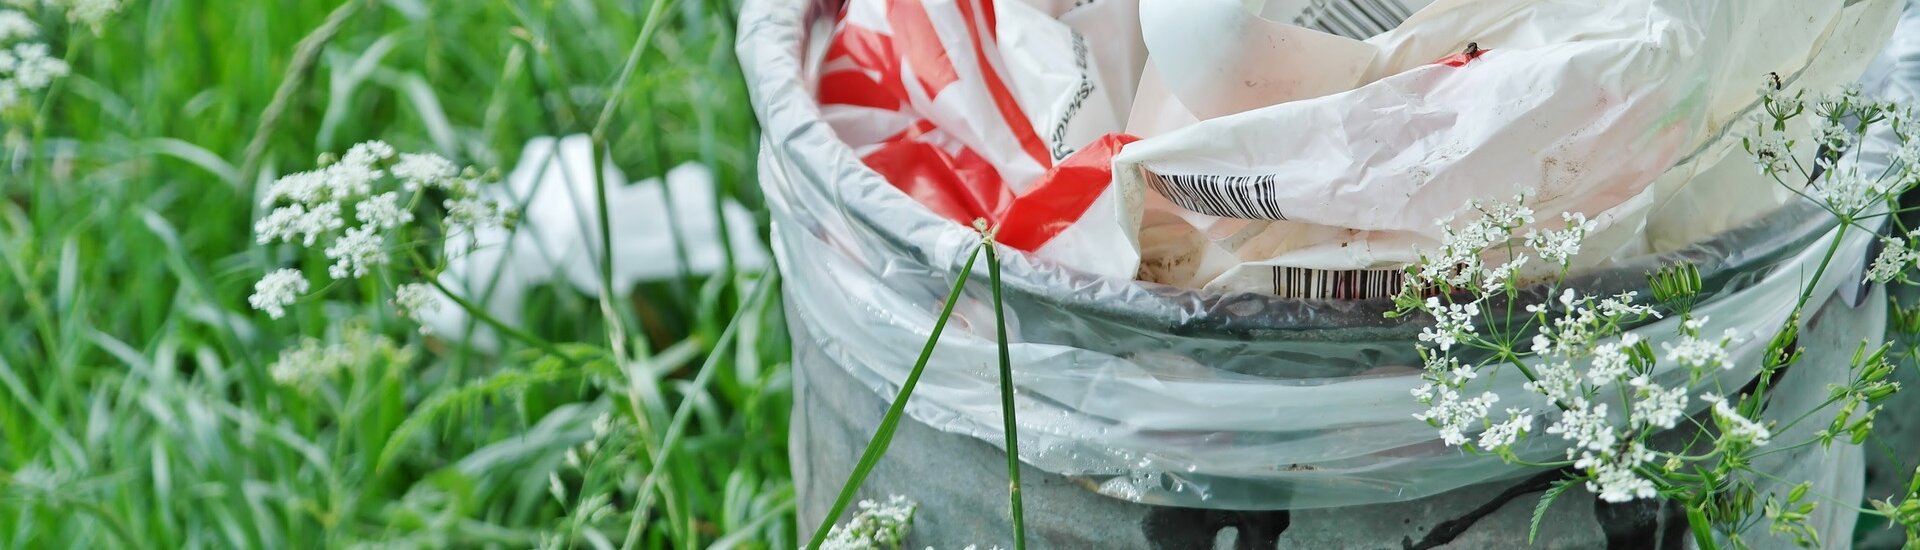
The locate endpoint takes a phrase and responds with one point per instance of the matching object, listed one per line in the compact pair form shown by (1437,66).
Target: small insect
(1773,81)
(1461,59)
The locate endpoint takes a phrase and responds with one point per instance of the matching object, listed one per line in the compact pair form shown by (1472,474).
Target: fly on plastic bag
(995,110)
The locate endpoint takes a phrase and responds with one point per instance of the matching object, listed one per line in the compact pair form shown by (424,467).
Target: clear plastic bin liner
(1158,394)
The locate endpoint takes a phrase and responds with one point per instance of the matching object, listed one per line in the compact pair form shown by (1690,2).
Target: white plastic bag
(1580,107)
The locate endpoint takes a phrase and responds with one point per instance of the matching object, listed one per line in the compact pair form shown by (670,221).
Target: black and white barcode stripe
(1358,19)
(1246,197)
(1323,284)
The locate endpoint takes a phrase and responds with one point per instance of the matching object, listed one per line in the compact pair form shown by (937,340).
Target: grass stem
(883,436)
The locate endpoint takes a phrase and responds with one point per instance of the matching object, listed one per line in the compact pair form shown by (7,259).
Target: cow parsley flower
(414,300)
(1558,247)
(303,366)
(383,211)
(875,525)
(296,222)
(356,253)
(1847,192)
(1504,434)
(33,67)
(1696,352)
(1773,94)
(1610,360)
(380,187)
(471,214)
(424,170)
(1621,306)
(1616,484)
(1459,256)
(1894,259)
(1557,381)
(278,290)
(1657,406)
(1833,134)
(1585,424)
(1494,280)
(1770,152)
(24,66)
(1735,426)
(15,25)
(1453,416)
(90,13)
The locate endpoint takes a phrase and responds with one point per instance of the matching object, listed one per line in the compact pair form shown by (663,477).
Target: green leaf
(1546,499)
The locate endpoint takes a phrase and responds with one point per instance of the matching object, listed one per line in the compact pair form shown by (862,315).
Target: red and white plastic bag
(994,110)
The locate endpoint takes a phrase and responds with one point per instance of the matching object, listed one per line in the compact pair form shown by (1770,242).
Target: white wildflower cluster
(1560,246)
(1458,263)
(1846,191)
(1453,410)
(313,361)
(1599,377)
(1896,257)
(875,526)
(88,13)
(1832,176)
(1451,322)
(24,66)
(278,290)
(357,211)
(415,300)
(1735,426)
(1697,352)
(306,367)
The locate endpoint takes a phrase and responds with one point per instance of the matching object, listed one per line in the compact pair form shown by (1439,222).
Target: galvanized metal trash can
(1156,417)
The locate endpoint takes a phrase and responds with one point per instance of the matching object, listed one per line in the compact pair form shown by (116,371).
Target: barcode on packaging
(1323,284)
(1357,19)
(1245,197)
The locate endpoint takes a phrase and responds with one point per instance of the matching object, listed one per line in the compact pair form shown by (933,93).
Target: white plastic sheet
(559,237)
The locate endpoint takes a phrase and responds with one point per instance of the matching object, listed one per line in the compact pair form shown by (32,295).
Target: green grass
(136,408)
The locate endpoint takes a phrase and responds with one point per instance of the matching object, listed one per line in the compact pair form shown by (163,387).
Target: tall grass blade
(1008,425)
(883,436)
(684,413)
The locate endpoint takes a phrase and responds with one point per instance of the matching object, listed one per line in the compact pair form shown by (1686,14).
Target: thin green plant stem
(1702,531)
(616,324)
(1008,425)
(305,56)
(481,313)
(1799,306)
(631,65)
(681,415)
(883,436)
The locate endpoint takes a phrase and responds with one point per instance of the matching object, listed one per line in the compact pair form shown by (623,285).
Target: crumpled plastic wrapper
(1270,148)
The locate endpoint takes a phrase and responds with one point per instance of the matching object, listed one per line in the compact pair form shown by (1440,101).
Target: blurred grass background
(135,405)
